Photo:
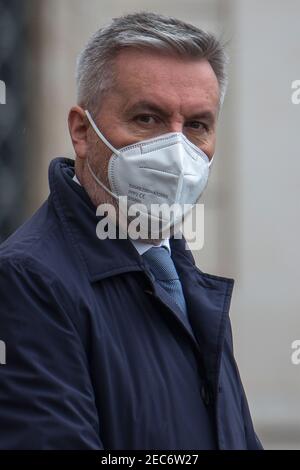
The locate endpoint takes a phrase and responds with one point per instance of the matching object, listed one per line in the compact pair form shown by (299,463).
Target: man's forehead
(165,80)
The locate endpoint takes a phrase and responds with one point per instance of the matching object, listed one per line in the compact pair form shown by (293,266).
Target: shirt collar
(139,245)
(142,247)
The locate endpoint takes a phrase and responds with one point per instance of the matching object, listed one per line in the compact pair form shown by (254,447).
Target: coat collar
(208,296)
(77,214)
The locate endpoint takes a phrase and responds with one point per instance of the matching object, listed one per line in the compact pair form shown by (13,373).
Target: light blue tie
(164,271)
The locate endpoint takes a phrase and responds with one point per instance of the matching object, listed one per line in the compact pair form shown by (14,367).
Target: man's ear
(78,126)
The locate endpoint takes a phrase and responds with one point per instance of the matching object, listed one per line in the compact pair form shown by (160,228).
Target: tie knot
(161,263)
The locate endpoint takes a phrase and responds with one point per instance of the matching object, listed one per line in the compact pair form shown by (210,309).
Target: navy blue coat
(97,354)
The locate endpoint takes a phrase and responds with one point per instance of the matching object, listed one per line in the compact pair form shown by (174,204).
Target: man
(119,343)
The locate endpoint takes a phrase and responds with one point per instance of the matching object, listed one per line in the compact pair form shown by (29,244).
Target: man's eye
(145,118)
(198,125)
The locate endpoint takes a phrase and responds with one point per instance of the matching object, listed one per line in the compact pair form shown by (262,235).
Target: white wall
(267,128)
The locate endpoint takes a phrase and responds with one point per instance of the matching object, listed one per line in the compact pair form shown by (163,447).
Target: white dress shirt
(139,245)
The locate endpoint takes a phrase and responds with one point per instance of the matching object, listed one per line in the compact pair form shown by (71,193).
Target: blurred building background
(252,226)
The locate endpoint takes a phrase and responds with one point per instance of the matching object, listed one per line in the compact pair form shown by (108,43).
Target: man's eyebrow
(207,115)
(147,105)
(153,107)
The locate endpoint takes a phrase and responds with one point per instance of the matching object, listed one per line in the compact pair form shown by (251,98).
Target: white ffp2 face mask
(167,169)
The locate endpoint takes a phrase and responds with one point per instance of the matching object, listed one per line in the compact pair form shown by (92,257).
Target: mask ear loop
(211,160)
(100,135)
(100,182)
(111,147)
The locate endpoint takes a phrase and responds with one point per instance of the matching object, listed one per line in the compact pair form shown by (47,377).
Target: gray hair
(94,71)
